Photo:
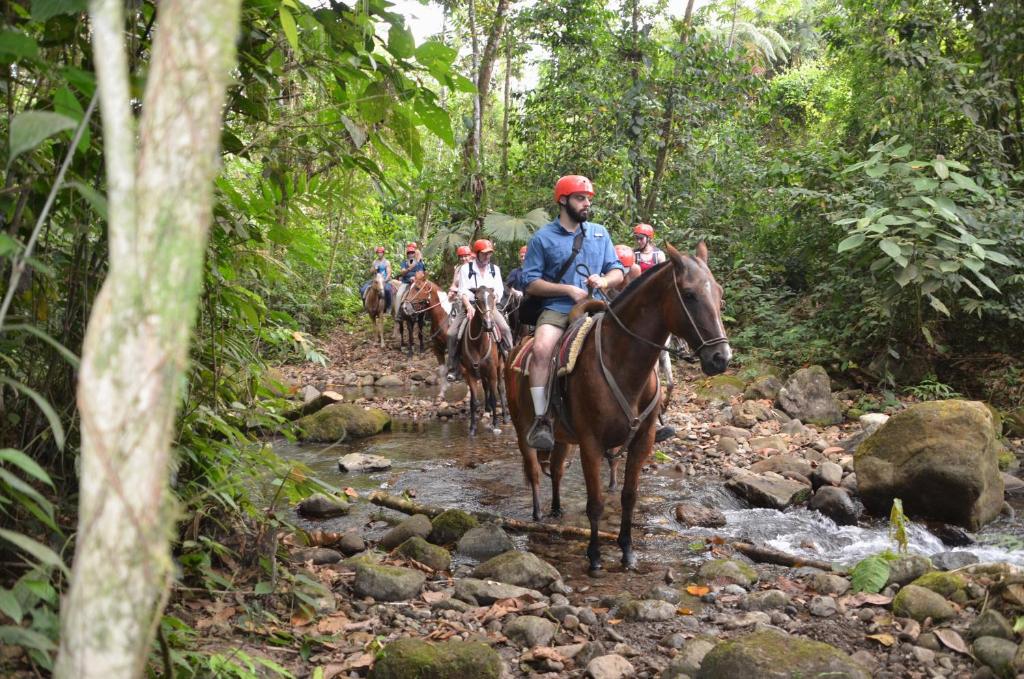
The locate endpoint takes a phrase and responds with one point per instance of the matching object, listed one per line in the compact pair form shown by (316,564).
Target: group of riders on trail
(565,262)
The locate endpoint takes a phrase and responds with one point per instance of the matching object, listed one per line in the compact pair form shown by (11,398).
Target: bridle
(486,324)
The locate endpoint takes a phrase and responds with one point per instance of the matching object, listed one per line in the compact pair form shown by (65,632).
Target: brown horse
(374,303)
(424,298)
(612,397)
(408,320)
(481,361)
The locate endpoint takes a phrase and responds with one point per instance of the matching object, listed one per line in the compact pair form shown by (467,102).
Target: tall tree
(160,194)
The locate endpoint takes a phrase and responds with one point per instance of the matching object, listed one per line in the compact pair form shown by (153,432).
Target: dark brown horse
(481,361)
(408,319)
(612,397)
(424,298)
(374,303)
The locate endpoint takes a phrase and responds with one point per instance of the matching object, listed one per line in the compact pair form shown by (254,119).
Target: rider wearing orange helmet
(594,266)
(381,266)
(413,264)
(646,254)
(464,254)
(478,272)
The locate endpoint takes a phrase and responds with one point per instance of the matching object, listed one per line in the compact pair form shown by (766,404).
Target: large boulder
(773,655)
(483,542)
(768,491)
(322,506)
(807,396)
(940,458)
(518,568)
(919,603)
(765,386)
(387,583)
(341,421)
(449,660)
(418,549)
(417,525)
(836,504)
(450,525)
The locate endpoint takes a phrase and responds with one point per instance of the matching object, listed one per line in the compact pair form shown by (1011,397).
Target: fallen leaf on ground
(332,670)
(864,598)
(433,597)
(332,624)
(951,639)
(358,661)
(884,639)
(697,590)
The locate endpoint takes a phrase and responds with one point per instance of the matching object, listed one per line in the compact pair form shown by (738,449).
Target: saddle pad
(571,343)
(522,359)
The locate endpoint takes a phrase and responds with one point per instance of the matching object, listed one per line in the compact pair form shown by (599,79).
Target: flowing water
(441,465)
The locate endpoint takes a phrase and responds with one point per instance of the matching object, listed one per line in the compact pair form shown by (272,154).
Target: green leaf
(938,305)
(44,405)
(870,575)
(97,201)
(1018,624)
(892,248)
(27,490)
(462,83)
(65,103)
(661,456)
(941,169)
(401,42)
(41,552)
(30,128)
(264,587)
(7,245)
(906,275)
(41,334)
(986,280)
(46,9)
(18,45)
(436,57)
(26,638)
(900,152)
(876,171)
(437,120)
(999,258)
(851,242)
(894,220)
(966,182)
(9,605)
(25,464)
(923,184)
(291,32)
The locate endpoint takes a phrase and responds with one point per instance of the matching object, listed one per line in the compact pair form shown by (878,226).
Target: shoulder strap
(577,243)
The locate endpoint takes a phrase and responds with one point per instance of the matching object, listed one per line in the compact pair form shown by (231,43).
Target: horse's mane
(626,296)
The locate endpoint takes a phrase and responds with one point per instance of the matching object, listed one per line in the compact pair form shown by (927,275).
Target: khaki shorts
(555,318)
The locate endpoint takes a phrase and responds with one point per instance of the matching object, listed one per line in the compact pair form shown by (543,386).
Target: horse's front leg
(614,457)
(591,452)
(639,451)
(557,466)
(474,385)
(504,399)
(412,340)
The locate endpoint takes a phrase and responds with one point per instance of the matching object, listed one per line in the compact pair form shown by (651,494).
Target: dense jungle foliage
(856,167)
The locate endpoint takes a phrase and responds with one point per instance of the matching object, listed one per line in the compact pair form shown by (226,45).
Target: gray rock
(919,603)
(940,458)
(450,525)
(793,428)
(781,464)
(417,525)
(827,583)
(518,568)
(749,413)
(764,491)
(389,381)
(427,554)
(342,421)
(822,606)
(728,445)
(995,653)
(807,396)
(590,650)
(849,484)
(827,474)
(483,542)
(648,610)
(990,623)
(691,514)
(309,394)
(387,583)
(766,600)
(406,658)
(351,543)
(768,654)
(950,561)
(321,506)
(761,443)
(687,662)
(663,592)
(836,504)
(732,432)
(318,555)
(528,631)
(611,666)
(763,387)
(360,462)
(486,592)
(870,422)
(674,640)
(729,571)
(908,568)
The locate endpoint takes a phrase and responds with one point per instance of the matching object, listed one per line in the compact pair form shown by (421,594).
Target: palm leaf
(508,229)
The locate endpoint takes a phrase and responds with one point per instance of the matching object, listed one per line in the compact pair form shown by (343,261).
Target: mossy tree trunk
(160,195)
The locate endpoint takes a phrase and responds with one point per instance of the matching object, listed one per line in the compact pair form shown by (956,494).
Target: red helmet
(410,247)
(522,251)
(625,254)
(644,230)
(573,183)
(483,245)
(462,251)
(379,250)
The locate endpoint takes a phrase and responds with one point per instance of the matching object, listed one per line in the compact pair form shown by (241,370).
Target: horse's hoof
(596,571)
(629,562)
(555,514)
(495,431)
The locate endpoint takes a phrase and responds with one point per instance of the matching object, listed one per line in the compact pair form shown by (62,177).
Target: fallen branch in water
(409,507)
(769,555)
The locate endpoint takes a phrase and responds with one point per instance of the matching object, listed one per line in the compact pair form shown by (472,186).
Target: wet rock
(827,474)
(351,543)
(719,388)
(691,514)
(612,666)
(662,592)
(764,387)
(687,661)
(455,392)
(996,653)
(389,381)
(772,655)
(941,582)
(387,583)
(749,413)
(590,650)
(341,421)
(518,568)
(318,555)
(427,554)
(940,457)
(674,640)
(781,464)
(762,443)
(827,583)
(907,568)
(309,394)
(450,525)
(407,658)
(822,606)
(807,396)
(648,610)
(528,631)
(954,536)
(727,570)
(486,592)
(835,503)
(732,432)
(728,445)
(483,542)
(764,491)
(990,623)
(766,600)
(920,603)
(1012,485)
(417,525)
(793,428)
(360,462)
(849,483)
(321,506)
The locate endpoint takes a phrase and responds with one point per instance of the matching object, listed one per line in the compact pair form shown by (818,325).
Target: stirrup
(540,435)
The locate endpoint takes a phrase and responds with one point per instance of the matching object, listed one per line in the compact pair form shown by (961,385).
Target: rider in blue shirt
(595,267)
(412,265)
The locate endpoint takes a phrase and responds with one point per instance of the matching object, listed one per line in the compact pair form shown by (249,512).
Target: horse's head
(697,311)
(483,300)
(418,296)
(378,282)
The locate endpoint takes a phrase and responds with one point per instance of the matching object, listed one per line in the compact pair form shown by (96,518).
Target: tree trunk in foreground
(160,195)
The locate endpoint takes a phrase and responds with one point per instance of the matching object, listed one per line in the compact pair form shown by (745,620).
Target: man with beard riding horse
(593,265)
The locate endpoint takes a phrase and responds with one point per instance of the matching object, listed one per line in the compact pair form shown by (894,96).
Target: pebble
(822,606)
(570,622)
(923,655)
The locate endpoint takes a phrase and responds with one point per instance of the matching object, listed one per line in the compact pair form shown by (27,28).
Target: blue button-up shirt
(552,245)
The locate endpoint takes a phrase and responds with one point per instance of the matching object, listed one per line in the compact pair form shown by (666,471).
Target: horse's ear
(702,252)
(675,256)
